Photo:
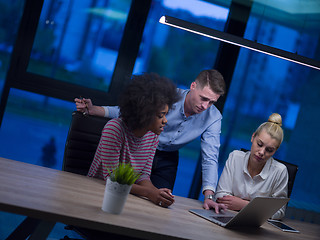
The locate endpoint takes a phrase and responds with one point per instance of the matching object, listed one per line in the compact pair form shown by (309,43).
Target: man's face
(199,99)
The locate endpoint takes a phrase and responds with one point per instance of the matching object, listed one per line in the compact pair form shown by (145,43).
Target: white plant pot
(115,196)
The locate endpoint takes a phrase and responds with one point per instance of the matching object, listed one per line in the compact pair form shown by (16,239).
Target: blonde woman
(247,175)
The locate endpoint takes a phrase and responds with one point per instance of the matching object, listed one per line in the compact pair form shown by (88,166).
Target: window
(174,53)
(78,41)
(180,56)
(263,84)
(34,128)
(9,22)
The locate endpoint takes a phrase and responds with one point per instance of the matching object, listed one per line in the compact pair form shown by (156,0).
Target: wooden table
(57,196)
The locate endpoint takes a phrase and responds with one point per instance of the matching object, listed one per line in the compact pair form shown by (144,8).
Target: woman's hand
(161,197)
(232,202)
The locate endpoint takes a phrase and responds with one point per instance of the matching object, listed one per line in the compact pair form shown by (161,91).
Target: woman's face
(159,121)
(263,147)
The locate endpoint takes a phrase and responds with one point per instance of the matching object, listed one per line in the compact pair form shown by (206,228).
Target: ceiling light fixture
(238,41)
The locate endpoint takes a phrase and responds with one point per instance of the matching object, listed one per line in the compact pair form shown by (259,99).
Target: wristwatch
(209,197)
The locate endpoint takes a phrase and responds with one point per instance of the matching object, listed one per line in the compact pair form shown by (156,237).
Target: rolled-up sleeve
(111,111)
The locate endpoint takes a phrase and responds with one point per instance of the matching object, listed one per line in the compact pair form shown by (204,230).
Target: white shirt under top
(235,180)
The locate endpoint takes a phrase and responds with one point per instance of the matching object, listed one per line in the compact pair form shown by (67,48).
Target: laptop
(254,214)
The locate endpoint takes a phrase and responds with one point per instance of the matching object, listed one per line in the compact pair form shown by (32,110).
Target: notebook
(254,214)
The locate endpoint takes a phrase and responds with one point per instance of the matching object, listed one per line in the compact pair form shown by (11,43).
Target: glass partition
(180,56)
(34,128)
(11,12)
(291,27)
(174,53)
(263,84)
(78,41)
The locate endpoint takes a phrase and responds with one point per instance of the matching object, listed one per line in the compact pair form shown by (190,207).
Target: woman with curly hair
(133,137)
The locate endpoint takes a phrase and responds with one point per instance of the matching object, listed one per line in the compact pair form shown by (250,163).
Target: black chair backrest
(82,141)
(292,171)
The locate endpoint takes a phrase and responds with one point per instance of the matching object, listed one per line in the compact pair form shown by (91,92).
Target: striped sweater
(118,144)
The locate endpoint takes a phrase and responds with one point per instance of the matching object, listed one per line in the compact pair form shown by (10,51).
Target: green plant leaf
(124,174)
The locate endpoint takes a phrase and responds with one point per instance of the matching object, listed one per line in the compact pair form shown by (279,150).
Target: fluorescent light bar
(238,41)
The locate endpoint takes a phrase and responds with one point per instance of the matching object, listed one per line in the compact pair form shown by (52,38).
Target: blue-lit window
(174,53)
(11,12)
(263,84)
(78,41)
(180,56)
(34,128)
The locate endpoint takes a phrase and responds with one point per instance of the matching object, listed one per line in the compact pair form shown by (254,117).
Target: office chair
(292,171)
(81,144)
(82,141)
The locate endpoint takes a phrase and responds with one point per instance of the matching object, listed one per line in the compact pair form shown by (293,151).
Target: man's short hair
(213,79)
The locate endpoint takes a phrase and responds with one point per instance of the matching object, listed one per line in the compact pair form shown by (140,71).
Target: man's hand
(83,105)
(208,204)
(232,202)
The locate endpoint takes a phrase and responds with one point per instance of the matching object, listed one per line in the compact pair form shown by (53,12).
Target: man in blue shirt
(193,116)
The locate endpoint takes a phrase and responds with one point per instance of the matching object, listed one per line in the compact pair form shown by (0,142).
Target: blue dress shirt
(181,130)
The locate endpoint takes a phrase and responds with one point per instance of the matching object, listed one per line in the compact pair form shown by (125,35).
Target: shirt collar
(181,103)
(265,171)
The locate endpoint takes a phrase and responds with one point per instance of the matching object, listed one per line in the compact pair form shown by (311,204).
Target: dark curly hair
(144,97)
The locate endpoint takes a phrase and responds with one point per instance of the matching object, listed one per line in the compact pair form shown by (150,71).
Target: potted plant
(118,186)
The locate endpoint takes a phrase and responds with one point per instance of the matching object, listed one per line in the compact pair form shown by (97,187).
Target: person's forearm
(143,189)
(209,171)
(243,203)
(97,111)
